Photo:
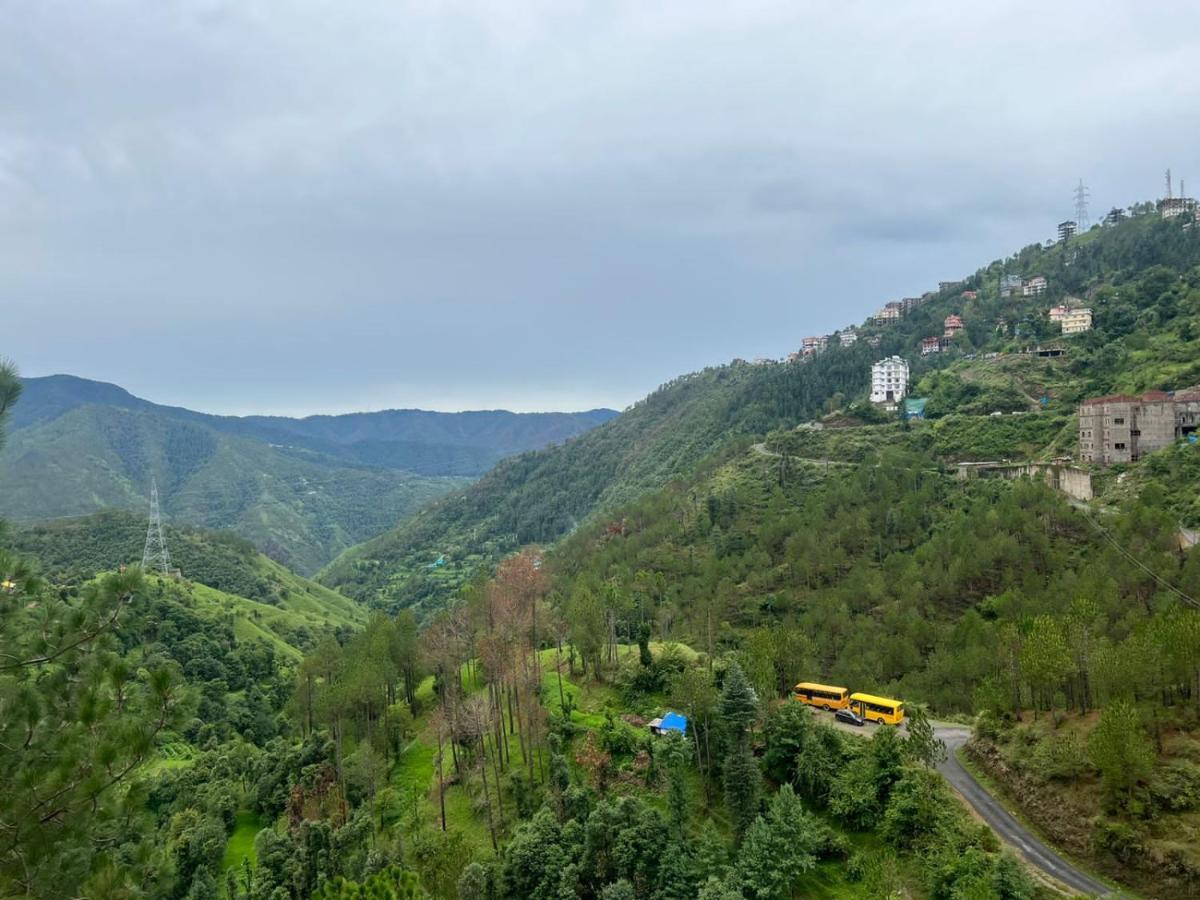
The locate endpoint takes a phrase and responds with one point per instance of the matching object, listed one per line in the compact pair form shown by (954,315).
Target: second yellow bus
(882,710)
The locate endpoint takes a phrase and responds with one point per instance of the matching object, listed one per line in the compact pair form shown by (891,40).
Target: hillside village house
(891,312)
(1058,313)
(970,295)
(952,325)
(1035,286)
(930,345)
(812,345)
(1124,428)
(889,381)
(1077,321)
(847,337)
(1170,207)
(1009,285)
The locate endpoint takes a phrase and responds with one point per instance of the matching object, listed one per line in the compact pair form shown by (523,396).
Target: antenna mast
(1168,184)
(1082,195)
(155,555)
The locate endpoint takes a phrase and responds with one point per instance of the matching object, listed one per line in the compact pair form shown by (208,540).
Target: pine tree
(711,857)
(742,786)
(779,848)
(738,707)
(1119,748)
(676,873)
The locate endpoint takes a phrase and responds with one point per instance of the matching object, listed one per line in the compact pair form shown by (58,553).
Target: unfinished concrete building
(1124,428)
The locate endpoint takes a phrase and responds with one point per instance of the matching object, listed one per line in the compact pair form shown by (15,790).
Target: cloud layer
(312,206)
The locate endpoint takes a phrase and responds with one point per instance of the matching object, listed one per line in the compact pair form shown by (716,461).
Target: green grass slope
(224,576)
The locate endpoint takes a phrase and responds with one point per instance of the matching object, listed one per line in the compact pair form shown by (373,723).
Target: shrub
(1061,757)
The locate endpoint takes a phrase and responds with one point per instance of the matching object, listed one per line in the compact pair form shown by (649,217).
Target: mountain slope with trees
(1141,276)
(301,489)
(414,440)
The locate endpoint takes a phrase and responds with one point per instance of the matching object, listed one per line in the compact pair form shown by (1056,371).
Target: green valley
(301,489)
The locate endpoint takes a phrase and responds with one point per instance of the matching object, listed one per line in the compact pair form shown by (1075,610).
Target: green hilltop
(223,577)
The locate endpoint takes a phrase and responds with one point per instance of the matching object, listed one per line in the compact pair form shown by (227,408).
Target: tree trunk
(487,797)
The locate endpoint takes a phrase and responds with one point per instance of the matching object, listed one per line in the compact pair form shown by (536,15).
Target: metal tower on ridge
(155,555)
(1082,196)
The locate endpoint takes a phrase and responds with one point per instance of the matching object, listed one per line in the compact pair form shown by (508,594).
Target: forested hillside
(296,505)
(1140,276)
(540,496)
(301,489)
(223,576)
(415,440)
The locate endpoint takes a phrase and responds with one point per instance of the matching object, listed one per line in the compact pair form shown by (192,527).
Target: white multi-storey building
(889,381)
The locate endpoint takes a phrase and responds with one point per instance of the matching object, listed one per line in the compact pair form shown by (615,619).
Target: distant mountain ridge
(420,441)
(302,490)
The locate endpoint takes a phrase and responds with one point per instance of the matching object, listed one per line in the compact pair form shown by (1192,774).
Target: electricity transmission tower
(155,555)
(1082,222)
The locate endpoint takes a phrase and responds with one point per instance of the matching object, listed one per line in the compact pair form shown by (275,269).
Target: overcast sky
(303,207)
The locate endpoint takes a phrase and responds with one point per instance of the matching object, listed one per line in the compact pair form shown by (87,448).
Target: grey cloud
(291,204)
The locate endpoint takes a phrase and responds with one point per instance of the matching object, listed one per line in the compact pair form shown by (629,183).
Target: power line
(1186,598)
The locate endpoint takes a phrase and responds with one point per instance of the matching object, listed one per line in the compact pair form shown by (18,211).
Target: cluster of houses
(814,344)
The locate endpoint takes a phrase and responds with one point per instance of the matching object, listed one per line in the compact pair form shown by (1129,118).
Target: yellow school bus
(882,710)
(823,696)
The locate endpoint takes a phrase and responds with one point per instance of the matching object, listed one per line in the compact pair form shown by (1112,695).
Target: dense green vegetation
(414,440)
(1142,278)
(524,778)
(301,489)
(294,504)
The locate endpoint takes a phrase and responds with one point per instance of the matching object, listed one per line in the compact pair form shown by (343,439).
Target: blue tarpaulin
(673,721)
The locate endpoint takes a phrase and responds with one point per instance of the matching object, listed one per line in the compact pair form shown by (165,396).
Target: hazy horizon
(298,209)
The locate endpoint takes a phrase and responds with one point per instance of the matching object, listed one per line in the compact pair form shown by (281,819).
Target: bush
(1061,757)
(1176,786)
(1120,840)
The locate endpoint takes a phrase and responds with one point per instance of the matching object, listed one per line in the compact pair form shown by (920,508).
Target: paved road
(1001,821)
(1004,824)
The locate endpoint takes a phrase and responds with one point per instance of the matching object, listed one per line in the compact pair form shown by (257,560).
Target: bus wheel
(825,707)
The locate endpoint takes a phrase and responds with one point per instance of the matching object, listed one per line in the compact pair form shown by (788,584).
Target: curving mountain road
(999,819)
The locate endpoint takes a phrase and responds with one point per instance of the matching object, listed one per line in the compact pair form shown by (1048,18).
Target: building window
(1118,446)
(1120,421)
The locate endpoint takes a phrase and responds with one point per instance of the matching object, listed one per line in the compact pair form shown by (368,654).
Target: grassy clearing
(241,842)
